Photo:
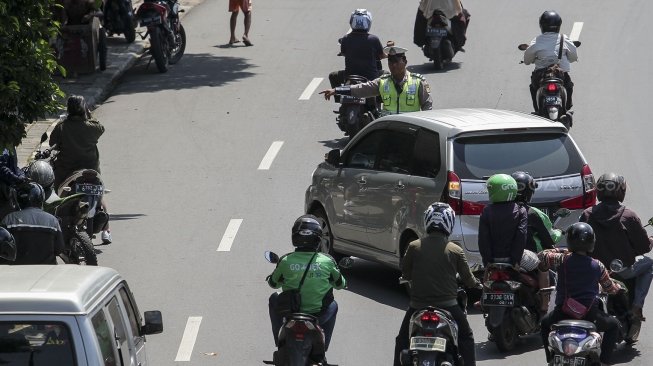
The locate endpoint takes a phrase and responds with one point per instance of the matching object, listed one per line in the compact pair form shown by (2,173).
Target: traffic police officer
(401,90)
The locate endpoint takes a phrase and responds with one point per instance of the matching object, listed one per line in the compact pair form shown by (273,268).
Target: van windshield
(541,155)
(36,343)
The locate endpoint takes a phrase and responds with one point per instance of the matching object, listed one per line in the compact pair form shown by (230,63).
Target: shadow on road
(120,217)
(625,354)
(428,68)
(376,282)
(486,350)
(335,143)
(192,71)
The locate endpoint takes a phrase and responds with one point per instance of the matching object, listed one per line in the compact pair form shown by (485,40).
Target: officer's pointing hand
(328,93)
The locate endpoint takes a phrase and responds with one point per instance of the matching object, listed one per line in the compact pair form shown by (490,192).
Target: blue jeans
(327,320)
(642,271)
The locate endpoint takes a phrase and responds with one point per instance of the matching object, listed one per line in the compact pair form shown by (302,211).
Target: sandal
(247,42)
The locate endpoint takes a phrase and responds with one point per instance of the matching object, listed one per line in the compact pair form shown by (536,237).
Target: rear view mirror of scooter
(650,222)
(346,262)
(522,47)
(616,266)
(271,257)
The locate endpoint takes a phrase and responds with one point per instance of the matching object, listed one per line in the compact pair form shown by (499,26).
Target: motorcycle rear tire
(174,58)
(81,244)
(505,335)
(438,60)
(157,48)
(102,49)
(130,31)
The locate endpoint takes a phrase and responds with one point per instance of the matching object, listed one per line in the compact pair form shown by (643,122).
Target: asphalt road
(185,155)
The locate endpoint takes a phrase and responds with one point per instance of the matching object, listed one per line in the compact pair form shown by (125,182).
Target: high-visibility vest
(407,101)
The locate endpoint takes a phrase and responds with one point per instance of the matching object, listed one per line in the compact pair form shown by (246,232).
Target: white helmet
(439,216)
(361,20)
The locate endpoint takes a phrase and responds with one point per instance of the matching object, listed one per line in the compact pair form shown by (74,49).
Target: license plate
(436,32)
(348,99)
(428,344)
(560,360)
(552,101)
(90,189)
(498,299)
(151,20)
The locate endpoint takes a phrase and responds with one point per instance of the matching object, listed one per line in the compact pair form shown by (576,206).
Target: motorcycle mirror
(44,137)
(346,262)
(271,257)
(403,281)
(650,222)
(522,47)
(562,212)
(67,189)
(616,265)
(576,43)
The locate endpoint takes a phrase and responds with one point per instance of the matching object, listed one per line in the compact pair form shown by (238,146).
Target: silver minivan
(371,195)
(71,315)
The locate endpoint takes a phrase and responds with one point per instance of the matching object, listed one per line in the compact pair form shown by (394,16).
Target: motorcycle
(167,34)
(439,46)
(575,342)
(433,336)
(301,339)
(551,95)
(118,17)
(356,113)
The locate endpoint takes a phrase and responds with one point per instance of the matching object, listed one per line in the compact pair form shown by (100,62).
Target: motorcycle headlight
(569,347)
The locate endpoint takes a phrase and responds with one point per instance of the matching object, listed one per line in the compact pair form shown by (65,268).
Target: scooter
(439,45)
(551,96)
(356,113)
(575,342)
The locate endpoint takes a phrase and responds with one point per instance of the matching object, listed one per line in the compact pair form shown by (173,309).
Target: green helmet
(501,188)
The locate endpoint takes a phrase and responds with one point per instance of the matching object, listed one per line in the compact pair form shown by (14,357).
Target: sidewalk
(94,87)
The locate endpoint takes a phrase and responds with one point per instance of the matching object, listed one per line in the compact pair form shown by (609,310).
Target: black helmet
(77,106)
(550,21)
(7,245)
(306,232)
(611,185)
(30,195)
(580,237)
(41,172)
(525,186)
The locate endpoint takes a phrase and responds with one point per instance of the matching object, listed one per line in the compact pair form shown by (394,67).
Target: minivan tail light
(454,197)
(588,198)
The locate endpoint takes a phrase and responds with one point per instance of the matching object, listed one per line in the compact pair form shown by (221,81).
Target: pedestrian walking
(234,7)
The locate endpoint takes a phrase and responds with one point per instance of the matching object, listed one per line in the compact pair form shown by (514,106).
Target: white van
(71,315)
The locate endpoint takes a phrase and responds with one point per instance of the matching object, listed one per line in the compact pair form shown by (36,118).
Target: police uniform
(411,94)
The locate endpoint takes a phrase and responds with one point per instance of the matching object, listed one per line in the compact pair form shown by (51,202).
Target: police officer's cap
(394,51)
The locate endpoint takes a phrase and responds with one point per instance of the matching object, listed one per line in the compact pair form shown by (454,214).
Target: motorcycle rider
(401,90)
(76,139)
(620,235)
(10,175)
(41,172)
(431,264)
(578,277)
(362,50)
(37,233)
(502,229)
(543,52)
(7,247)
(453,10)
(317,289)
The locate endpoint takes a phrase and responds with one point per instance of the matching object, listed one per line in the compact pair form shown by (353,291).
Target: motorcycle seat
(528,279)
(587,325)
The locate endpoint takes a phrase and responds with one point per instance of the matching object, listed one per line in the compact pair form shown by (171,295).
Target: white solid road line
(229,235)
(188,340)
(575,31)
(270,155)
(306,95)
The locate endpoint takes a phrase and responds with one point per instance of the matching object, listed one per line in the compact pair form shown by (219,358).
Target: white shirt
(544,48)
(450,8)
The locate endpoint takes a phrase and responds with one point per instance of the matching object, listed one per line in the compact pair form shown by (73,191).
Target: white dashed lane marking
(306,95)
(229,235)
(270,155)
(575,31)
(188,339)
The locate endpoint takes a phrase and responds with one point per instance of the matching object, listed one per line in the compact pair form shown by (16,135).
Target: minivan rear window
(541,155)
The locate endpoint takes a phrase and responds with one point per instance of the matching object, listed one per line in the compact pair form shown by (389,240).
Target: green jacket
(76,138)
(431,264)
(317,290)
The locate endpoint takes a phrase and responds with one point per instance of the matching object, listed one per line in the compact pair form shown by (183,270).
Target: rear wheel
(179,47)
(128,24)
(505,335)
(158,48)
(102,49)
(81,250)
(438,61)
(327,241)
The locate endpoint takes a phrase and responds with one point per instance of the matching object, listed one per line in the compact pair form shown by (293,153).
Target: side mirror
(562,212)
(271,257)
(616,266)
(346,262)
(650,222)
(153,322)
(333,157)
(44,137)
(576,43)
(522,47)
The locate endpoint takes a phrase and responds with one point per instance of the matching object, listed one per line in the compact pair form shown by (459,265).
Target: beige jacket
(450,8)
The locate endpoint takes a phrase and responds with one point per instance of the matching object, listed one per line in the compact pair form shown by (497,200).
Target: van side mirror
(153,322)
(333,157)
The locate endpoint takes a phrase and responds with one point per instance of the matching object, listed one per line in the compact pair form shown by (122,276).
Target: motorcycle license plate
(552,101)
(560,360)
(498,299)
(90,189)
(428,344)
(348,99)
(436,32)
(155,19)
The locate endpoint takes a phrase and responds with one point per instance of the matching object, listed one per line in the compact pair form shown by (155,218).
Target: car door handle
(361,181)
(399,186)
(341,186)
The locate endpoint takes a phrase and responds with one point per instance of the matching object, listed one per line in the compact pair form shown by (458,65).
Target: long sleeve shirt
(502,231)
(371,89)
(543,51)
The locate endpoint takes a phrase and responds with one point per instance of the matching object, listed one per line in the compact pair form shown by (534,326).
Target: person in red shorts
(234,7)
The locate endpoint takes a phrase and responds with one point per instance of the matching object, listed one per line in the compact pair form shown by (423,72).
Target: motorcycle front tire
(438,60)
(128,24)
(505,335)
(81,246)
(157,48)
(174,58)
